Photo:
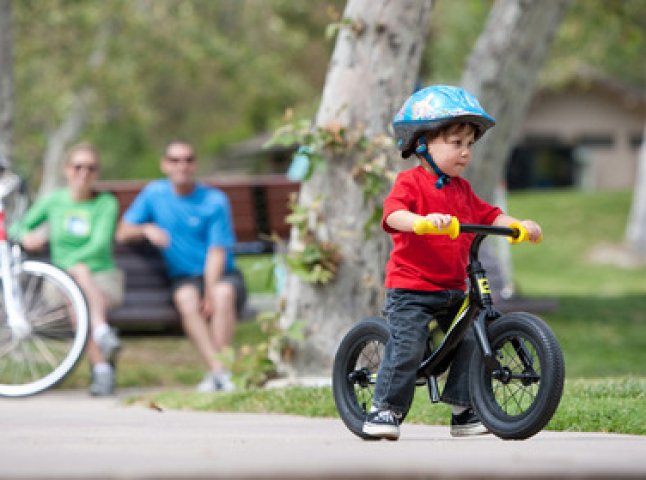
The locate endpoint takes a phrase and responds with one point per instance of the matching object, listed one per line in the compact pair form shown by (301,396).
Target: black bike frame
(477,314)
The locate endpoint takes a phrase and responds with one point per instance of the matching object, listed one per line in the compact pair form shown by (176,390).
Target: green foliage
(455,27)
(373,173)
(607,36)
(333,28)
(258,272)
(315,142)
(195,69)
(313,260)
(250,363)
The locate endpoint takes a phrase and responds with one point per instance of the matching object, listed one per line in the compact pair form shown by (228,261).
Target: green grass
(600,323)
(574,223)
(608,405)
(601,337)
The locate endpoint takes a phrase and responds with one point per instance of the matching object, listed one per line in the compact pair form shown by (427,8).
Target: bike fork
(480,330)
(11,293)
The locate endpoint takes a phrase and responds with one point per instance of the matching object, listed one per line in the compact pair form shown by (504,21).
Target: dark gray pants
(408,313)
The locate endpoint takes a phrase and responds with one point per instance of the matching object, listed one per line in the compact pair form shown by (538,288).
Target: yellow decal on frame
(484,285)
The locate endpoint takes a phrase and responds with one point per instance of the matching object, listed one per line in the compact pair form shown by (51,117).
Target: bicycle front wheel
(57,316)
(518,400)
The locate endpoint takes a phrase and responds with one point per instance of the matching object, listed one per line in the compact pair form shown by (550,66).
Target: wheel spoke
(518,391)
(368,359)
(52,304)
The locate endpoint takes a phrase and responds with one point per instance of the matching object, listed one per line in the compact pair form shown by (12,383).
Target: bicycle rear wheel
(57,314)
(355,369)
(517,401)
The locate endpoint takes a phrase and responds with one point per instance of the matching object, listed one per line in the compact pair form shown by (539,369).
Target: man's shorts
(234,277)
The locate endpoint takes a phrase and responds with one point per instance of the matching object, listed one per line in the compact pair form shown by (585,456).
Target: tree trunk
(373,69)
(502,71)
(72,126)
(6,81)
(636,230)
(58,142)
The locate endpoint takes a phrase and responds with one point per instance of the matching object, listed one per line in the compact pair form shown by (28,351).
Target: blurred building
(586,134)
(254,158)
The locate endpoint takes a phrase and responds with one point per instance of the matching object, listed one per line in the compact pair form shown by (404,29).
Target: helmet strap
(422,149)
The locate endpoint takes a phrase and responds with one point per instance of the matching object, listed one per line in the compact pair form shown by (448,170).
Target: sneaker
(225,383)
(216,382)
(208,384)
(466,424)
(103,383)
(382,424)
(109,345)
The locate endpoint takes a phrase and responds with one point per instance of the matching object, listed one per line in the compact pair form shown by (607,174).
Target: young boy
(426,274)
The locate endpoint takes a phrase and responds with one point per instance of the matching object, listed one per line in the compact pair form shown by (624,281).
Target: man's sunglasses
(189,159)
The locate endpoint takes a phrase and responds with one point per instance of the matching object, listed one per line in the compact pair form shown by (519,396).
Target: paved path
(67,435)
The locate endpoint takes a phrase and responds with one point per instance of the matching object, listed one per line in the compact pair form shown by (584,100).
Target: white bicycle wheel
(57,314)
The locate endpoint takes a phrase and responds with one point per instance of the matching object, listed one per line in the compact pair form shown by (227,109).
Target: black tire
(355,369)
(517,408)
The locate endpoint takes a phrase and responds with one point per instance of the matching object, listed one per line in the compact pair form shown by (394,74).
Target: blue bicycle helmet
(434,107)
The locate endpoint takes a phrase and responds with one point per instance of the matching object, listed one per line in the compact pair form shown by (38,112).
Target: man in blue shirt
(191,224)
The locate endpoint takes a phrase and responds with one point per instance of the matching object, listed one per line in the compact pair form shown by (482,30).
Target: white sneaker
(216,382)
(382,424)
(109,345)
(103,383)
(467,424)
(225,383)
(208,384)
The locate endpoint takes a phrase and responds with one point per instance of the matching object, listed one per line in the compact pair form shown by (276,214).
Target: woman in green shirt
(81,229)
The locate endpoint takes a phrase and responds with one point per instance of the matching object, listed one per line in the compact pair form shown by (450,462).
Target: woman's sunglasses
(80,166)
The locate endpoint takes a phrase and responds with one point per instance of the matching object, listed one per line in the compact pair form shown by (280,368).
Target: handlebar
(9,182)
(515,233)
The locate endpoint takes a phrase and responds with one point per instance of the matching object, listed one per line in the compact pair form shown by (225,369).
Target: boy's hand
(439,220)
(437,224)
(533,229)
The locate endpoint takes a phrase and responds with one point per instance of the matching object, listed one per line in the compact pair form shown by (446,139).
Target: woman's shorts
(111,284)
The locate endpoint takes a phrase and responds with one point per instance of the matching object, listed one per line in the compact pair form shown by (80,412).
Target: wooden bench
(259,206)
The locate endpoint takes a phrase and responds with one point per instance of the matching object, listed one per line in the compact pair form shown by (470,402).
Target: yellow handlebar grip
(523,234)
(425,227)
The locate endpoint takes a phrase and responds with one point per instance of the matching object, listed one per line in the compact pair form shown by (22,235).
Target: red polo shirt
(432,262)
